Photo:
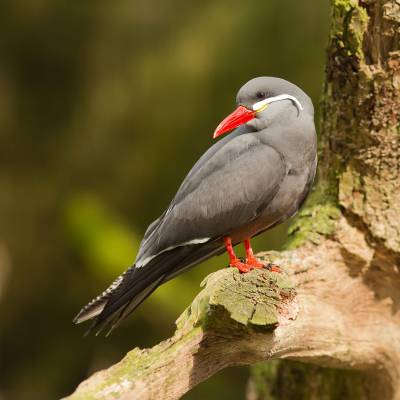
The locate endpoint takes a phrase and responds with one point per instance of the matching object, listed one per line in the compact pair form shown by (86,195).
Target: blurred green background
(104,107)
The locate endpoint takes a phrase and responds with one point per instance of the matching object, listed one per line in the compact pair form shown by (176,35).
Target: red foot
(242,267)
(274,268)
(251,261)
(254,263)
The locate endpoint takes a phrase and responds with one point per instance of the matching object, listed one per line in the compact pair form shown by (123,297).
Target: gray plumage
(251,180)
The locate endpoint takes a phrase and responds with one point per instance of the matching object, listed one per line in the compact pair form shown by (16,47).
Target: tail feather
(135,288)
(114,319)
(131,288)
(96,306)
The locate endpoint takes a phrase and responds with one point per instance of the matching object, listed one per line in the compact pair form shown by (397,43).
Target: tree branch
(241,319)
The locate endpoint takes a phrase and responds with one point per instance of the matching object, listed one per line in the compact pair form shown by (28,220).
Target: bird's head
(255,99)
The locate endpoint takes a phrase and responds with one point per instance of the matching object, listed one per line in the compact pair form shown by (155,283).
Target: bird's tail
(96,306)
(131,288)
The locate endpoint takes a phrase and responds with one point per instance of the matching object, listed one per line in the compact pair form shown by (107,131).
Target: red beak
(240,116)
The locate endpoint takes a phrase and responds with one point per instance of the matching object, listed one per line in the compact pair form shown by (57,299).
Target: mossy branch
(217,330)
(242,319)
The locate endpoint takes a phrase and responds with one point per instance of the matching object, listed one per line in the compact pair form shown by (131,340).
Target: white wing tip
(89,314)
(141,264)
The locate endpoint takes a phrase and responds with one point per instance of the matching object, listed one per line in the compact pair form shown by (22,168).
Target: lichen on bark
(227,292)
(361,112)
(317,219)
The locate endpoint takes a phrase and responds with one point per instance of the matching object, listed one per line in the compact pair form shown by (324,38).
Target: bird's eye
(260,95)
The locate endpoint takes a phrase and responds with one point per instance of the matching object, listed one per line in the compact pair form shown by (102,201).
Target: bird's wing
(226,192)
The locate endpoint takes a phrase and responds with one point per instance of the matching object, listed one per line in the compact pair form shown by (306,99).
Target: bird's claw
(254,263)
(247,265)
(241,266)
(273,268)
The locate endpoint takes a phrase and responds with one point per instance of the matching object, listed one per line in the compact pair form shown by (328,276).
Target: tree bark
(359,176)
(337,302)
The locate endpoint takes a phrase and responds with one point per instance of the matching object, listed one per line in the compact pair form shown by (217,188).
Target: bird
(254,178)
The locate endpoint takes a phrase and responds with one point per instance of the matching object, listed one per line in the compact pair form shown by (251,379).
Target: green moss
(224,301)
(345,5)
(317,218)
(357,28)
(349,22)
(136,363)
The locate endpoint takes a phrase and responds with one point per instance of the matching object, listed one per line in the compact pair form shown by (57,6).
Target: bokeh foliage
(104,106)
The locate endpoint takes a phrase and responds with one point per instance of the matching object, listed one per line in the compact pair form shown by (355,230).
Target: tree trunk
(336,305)
(359,174)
